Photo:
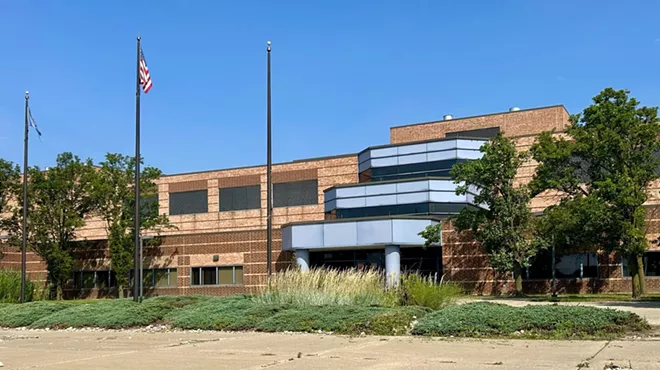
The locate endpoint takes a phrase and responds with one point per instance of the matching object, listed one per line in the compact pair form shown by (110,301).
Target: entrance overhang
(355,233)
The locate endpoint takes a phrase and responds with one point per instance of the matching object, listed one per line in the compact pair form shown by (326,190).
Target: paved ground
(648,310)
(206,350)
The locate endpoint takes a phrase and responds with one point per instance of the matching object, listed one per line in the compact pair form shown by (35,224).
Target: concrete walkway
(217,350)
(648,310)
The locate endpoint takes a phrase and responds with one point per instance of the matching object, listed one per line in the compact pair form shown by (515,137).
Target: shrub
(484,319)
(118,313)
(25,314)
(321,286)
(422,291)
(10,287)
(248,313)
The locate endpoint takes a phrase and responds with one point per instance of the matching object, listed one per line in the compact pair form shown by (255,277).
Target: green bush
(249,313)
(484,319)
(10,287)
(416,290)
(17,315)
(118,313)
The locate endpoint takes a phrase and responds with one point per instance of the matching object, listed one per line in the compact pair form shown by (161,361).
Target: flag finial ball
(268,42)
(27,92)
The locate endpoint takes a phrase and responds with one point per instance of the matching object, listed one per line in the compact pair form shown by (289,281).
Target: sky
(343,71)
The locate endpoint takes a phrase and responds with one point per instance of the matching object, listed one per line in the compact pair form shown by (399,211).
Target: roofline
(424,141)
(263,165)
(481,115)
(373,218)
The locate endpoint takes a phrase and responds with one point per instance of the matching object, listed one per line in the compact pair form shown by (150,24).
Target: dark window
(189,202)
(402,209)
(222,275)
(240,198)
(567,266)
(298,193)
(478,133)
(413,170)
(651,264)
(94,279)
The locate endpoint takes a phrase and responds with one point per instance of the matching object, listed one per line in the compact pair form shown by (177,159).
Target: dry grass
(319,287)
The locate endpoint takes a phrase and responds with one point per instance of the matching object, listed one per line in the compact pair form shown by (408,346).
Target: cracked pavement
(246,350)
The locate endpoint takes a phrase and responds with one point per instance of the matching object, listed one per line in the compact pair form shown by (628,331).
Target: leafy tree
(603,169)
(59,202)
(10,179)
(114,196)
(504,224)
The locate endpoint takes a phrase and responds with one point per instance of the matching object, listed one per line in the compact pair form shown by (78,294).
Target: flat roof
(482,115)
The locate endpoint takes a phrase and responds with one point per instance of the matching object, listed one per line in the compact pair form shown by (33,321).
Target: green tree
(10,180)
(114,196)
(59,202)
(603,168)
(503,223)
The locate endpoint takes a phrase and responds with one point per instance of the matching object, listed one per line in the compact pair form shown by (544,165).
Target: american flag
(145,77)
(33,123)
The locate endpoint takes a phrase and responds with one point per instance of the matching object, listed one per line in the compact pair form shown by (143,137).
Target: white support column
(392,265)
(302,259)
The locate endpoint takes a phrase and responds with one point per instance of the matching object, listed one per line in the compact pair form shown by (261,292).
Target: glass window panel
(77,277)
(147,277)
(225,275)
(88,279)
(297,193)
(195,276)
(102,279)
(189,202)
(652,264)
(478,133)
(240,198)
(239,275)
(113,279)
(209,276)
(568,266)
(160,275)
(173,277)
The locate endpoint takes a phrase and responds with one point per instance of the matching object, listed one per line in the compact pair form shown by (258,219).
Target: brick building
(361,209)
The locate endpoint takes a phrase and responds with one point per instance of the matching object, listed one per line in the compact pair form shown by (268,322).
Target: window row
(651,264)
(218,275)
(567,266)
(158,278)
(286,194)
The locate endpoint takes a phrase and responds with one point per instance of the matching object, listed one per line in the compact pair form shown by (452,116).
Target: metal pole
(25,201)
(269,183)
(137,175)
(141,270)
(554,281)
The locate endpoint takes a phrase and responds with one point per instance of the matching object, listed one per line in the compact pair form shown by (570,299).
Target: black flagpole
(25,200)
(137,180)
(269,183)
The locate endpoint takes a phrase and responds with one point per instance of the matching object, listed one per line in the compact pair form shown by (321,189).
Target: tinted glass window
(568,266)
(479,133)
(298,193)
(651,264)
(189,202)
(240,198)
(414,170)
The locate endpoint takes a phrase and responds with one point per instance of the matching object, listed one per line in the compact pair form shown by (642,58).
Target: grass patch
(483,319)
(10,287)
(422,291)
(114,314)
(17,315)
(320,286)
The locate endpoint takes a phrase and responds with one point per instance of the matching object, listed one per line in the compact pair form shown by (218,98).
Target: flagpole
(269,182)
(25,200)
(137,279)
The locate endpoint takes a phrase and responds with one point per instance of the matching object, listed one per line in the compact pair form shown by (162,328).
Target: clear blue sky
(343,71)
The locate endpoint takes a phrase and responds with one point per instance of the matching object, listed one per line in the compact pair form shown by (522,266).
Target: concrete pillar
(302,259)
(392,265)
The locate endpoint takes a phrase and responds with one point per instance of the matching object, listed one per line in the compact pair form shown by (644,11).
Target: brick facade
(238,238)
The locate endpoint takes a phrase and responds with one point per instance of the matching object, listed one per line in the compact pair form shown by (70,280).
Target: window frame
(277,184)
(217,276)
(624,265)
(582,268)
